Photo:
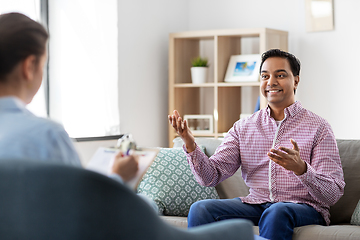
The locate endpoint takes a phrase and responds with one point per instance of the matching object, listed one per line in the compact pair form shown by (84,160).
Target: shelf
(204,135)
(190,85)
(238,84)
(223,100)
(220,84)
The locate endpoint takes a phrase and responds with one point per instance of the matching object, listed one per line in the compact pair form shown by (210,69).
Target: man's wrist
(190,147)
(304,169)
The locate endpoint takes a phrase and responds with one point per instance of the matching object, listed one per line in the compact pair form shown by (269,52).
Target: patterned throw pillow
(355,218)
(171,184)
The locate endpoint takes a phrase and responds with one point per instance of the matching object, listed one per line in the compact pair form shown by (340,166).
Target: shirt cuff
(193,155)
(308,175)
(186,152)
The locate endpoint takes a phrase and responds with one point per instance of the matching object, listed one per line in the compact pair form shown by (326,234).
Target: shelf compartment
(239,84)
(229,107)
(195,100)
(225,101)
(186,49)
(234,45)
(190,85)
(222,84)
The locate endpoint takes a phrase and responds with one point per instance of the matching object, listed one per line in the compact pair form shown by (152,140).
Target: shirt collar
(290,111)
(12,103)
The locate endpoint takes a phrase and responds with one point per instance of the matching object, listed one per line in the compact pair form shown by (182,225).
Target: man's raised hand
(182,130)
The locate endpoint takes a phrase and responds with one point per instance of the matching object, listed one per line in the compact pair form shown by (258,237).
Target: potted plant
(199,70)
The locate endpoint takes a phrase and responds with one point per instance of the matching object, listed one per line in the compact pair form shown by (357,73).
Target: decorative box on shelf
(200,123)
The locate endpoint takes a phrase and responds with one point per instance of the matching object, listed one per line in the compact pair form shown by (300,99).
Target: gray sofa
(341,212)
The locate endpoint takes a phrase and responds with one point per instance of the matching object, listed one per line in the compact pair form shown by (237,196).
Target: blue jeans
(276,221)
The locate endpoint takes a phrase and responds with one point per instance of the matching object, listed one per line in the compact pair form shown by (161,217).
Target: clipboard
(103,159)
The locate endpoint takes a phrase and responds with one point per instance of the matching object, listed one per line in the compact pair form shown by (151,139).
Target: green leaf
(199,62)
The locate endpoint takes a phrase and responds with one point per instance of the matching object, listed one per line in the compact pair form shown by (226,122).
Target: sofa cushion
(171,184)
(355,218)
(210,144)
(342,211)
(333,232)
(232,187)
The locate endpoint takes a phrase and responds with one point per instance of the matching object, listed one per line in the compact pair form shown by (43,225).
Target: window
(32,10)
(83,63)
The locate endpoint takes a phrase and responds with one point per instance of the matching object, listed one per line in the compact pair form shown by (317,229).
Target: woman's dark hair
(293,61)
(20,37)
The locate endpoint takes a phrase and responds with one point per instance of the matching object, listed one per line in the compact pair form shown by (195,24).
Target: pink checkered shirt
(247,144)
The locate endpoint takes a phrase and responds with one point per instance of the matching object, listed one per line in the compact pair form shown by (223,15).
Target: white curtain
(30,8)
(83,66)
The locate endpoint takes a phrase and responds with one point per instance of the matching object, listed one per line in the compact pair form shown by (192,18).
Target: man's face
(278,82)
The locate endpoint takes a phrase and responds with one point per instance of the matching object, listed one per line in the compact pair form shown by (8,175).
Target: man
(288,157)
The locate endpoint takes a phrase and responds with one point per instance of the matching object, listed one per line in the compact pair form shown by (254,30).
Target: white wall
(144,28)
(329,85)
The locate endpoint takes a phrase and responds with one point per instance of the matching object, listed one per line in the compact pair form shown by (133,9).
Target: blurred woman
(22,134)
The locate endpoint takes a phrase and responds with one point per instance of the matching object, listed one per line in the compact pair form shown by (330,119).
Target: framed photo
(200,123)
(319,15)
(243,68)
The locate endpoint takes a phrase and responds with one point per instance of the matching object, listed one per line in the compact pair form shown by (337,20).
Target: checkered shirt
(247,144)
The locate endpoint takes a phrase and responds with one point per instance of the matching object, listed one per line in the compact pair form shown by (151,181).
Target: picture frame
(319,15)
(243,68)
(200,124)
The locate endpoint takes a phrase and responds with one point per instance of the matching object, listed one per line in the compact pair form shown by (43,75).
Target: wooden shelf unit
(221,99)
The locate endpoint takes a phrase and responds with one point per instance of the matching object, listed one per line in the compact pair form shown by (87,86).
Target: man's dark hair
(20,37)
(293,61)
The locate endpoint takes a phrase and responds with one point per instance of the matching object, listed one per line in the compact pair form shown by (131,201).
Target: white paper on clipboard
(103,159)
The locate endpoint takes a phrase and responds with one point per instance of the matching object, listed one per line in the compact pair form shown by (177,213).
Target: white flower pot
(199,74)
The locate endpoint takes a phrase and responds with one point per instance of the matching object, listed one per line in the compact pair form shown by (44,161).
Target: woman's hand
(125,166)
(182,130)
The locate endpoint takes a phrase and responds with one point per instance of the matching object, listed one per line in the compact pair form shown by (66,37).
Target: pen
(126,144)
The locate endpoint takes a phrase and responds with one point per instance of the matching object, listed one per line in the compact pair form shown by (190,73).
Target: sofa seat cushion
(332,232)
(313,232)
(180,222)
(171,184)
(317,232)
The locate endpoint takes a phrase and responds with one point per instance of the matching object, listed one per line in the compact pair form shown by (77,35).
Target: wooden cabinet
(224,100)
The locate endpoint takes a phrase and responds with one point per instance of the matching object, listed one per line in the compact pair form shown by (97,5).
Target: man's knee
(200,207)
(200,213)
(279,210)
